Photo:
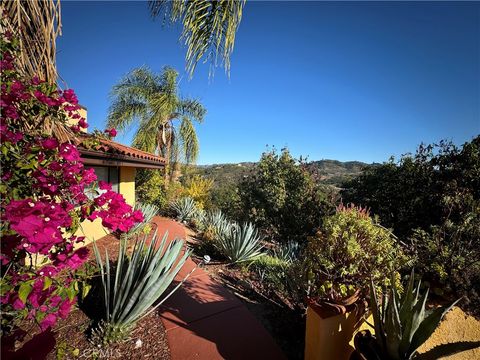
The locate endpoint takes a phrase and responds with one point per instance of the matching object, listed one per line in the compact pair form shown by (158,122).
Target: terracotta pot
(331,326)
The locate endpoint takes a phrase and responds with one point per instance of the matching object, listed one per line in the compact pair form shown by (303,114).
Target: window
(107,174)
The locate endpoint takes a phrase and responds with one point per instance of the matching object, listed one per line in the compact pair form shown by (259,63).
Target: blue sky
(329,80)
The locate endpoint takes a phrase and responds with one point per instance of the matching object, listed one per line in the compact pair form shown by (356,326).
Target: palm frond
(192,108)
(189,141)
(130,98)
(36,24)
(209,28)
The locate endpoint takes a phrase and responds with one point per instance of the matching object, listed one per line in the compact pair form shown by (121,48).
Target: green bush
(431,200)
(272,271)
(281,197)
(449,258)
(152,189)
(348,251)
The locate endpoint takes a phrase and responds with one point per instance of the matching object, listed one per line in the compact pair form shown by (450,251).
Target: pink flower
(83,123)
(69,152)
(111,132)
(65,308)
(70,97)
(36,81)
(55,300)
(48,321)
(50,143)
(18,304)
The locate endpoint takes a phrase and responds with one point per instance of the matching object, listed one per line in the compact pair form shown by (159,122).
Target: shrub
(43,197)
(448,256)
(137,283)
(198,188)
(152,189)
(271,270)
(214,225)
(281,197)
(432,201)
(288,252)
(225,196)
(348,251)
(241,243)
(185,209)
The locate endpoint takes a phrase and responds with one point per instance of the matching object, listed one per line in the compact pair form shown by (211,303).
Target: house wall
(93,230)
(127,184)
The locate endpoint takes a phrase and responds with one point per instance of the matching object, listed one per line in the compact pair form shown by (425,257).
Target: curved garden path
(204,320)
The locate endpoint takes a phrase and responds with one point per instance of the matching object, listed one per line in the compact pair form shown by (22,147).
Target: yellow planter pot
(329,336)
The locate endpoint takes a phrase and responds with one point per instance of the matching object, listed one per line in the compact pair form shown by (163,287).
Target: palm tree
(152,102)
(209,27)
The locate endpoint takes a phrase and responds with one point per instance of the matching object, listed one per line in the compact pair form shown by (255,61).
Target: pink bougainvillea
(43,197)
(111,132)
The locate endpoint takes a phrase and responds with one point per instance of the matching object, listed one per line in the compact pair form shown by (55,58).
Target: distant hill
(335,172)
(330,172)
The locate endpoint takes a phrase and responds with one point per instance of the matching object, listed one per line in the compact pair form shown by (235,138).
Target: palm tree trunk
(168,150)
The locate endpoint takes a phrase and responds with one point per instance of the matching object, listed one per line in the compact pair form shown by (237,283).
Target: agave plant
(137,283)
(199,218)
(214,225)
(402,325)
(149,211)
(185,209)
(240,243)
(288,252)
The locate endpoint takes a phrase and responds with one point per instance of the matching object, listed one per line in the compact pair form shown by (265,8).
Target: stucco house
(116,164)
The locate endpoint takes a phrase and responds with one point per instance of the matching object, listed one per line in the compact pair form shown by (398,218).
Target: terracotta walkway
(204,320)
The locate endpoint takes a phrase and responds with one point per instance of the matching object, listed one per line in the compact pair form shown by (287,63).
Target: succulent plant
(287,252)
(185,209)
(239,242)
(149,211)
(402,324)
(215,225)
(137,283)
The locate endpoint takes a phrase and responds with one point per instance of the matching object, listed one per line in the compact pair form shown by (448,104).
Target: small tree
(282,198)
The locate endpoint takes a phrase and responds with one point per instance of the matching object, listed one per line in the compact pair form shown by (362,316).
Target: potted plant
(349,249)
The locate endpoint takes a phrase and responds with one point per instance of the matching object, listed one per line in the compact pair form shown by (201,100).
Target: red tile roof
(112,150)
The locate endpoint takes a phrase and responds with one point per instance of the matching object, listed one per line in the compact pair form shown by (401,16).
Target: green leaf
(428,326)
(85,290)
(47,283)
(24,290)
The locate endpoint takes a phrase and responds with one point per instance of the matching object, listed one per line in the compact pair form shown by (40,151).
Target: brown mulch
(69,340)
(147,341)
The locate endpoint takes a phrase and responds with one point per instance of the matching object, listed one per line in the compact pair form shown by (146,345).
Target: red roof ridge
(113,147)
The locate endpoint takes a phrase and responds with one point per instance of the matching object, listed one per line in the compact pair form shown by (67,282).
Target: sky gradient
(329,80)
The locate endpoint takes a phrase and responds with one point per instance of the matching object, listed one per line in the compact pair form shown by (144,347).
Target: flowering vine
(45,194)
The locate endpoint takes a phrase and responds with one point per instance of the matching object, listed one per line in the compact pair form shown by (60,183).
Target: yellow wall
(331,338)
(127,184)
(83,113)
(456,326)
(94,230)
